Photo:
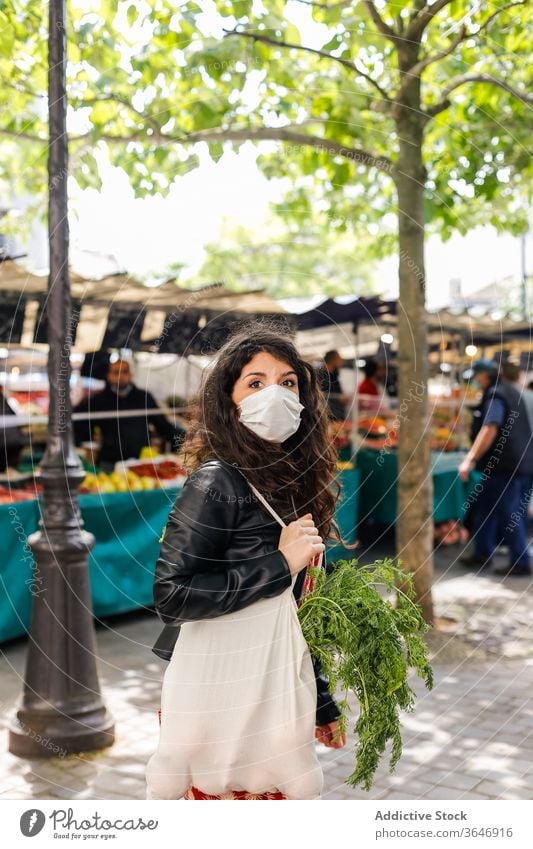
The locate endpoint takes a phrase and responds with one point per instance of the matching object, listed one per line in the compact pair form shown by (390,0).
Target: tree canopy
(289,262)
(151,79)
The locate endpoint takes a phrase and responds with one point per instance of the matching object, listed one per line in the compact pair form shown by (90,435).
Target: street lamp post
(62,710)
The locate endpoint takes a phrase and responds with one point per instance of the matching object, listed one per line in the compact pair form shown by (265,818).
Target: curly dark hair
(301,471)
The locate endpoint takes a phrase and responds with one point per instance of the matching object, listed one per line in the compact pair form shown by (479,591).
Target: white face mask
(273,413)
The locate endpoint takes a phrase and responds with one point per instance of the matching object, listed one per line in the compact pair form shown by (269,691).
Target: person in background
(328,378)
(122,438)
(503,452)
(371,389)
(371,384)
(511,373)
(12,439)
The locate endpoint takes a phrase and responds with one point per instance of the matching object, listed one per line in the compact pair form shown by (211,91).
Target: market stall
(367,327)
(125,510)
(127,526)
(372,429)
(115,313)
(378,486)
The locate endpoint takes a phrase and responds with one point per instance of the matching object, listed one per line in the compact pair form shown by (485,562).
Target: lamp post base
(61,710)
(54,735)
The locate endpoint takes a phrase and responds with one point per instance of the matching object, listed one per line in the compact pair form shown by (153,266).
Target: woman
(262,421)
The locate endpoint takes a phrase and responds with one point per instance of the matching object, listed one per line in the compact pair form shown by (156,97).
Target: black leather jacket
(219,554)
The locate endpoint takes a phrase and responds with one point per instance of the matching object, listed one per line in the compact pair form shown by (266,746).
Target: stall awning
(120,311)
(367,310)
(346,309)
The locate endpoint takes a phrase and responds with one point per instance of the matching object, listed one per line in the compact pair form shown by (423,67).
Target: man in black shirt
(122,438)
(328,377)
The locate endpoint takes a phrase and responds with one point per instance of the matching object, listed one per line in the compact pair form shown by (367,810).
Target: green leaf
(102,112)
(204,117)
(333,43)
(132,14)
(215,150)
(7,36)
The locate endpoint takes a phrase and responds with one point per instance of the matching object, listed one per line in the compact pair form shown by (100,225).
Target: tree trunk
(414,530)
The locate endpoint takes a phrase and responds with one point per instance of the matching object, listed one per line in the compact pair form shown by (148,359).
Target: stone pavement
(470,738)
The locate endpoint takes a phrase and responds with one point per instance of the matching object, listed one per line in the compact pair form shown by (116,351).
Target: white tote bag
(238,705)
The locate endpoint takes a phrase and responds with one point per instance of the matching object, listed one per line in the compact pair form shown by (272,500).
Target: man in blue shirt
(503,452)
(511,372)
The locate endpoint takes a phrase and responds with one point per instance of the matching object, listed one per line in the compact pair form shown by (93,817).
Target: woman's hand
(330,735)
(299,542)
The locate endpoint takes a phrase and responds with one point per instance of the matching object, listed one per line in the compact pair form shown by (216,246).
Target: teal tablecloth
(346,515)
(16,570)
(377,498)
(127,527)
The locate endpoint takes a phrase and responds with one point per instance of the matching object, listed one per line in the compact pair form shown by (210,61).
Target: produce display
(115,482)
(372,426)
(376,429)
(378,432)
(159,470)
(450,427)
(130,476)
(135,475)
(444,439)
(450,421)
(26,492)
(339,433)
(30,403)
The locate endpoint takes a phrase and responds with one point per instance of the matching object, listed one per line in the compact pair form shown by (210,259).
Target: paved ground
(471,737)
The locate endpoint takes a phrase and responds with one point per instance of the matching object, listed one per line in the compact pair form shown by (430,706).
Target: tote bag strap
(268,506)
(316,560)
